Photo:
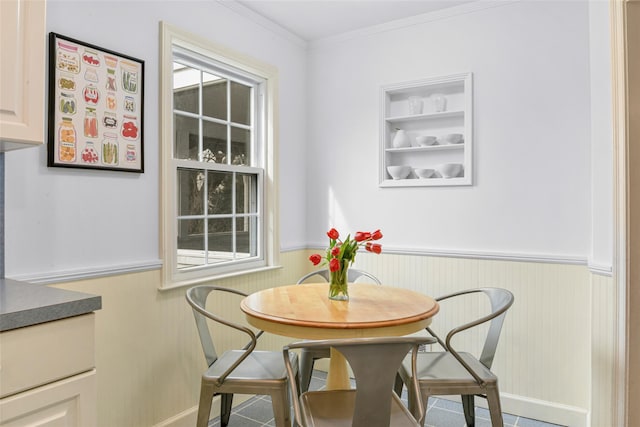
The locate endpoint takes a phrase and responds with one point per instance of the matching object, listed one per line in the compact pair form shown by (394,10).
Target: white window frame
(172,38)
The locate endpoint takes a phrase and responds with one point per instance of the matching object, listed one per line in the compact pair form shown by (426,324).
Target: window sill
(199,280)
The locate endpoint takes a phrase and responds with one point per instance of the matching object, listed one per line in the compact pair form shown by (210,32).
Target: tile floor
(257,412)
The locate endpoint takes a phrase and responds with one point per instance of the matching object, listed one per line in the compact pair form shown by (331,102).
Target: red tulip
(334,265)
(373,247)
(333,234)
(376,235)
(362,236)
(335,251)
(315,259)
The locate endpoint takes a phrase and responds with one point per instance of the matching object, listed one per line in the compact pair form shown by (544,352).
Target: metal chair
(245,371)
(352,275)
(308,356)
(452,372)
(373,403)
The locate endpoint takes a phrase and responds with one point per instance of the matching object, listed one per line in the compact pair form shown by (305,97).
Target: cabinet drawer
(70,402)
(40,354)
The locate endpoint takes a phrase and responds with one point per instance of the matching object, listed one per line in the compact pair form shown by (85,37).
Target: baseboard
(183,419)
(188,418)
(541,410)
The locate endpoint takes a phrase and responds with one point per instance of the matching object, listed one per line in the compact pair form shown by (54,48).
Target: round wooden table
(305,311)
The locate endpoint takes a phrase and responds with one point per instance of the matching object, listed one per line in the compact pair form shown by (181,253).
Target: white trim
(186,418)
(209,279)
(437,15)
(459,253)
(601,269)
(541,410)
(171,36)
(266,23)
(88,273)
(619,112)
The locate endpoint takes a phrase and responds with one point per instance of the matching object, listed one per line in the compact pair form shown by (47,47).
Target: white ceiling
(317,19)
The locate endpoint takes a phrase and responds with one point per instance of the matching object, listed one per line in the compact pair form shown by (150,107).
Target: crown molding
(397,24)
(267,24)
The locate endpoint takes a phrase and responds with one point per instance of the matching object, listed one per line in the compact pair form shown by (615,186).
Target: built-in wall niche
(426,133)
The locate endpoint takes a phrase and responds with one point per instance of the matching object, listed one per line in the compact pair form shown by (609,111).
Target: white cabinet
(69,402)
(48,375)
(22,73)
(426,134)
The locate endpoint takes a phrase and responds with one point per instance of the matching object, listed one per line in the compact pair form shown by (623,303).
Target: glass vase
(338,283)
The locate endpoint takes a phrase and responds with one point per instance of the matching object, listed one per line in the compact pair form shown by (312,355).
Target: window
(218,197)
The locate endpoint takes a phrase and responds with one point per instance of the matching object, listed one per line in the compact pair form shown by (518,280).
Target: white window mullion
(205,204)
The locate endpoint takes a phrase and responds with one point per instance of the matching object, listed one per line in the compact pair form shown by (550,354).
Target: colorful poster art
(96,99)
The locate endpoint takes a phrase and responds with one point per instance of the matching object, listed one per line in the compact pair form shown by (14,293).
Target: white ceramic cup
(415,105)
(439,102)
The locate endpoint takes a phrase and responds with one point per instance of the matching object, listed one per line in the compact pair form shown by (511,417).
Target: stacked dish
(451,138)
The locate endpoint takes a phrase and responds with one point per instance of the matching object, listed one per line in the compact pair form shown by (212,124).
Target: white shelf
(425,148)
(419,182)
(430,118)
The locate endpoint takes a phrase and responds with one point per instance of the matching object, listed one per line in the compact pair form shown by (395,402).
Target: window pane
(220,240)
(246,193)
(186,86)
(190,192)
(190,243)
(186,138)
(219,195)
(215,142)
(247,237)
(214,97)
(240,146)
(240,103)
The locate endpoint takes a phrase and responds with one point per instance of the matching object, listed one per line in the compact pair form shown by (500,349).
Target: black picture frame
(95,107)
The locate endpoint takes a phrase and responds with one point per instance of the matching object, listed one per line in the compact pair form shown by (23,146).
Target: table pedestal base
(338,375)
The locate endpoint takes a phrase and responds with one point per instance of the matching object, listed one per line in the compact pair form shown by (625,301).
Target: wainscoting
(555,358)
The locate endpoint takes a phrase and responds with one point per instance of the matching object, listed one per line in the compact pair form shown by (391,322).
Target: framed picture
(96,100)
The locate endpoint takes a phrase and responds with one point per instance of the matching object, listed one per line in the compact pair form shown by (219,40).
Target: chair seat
(263,366)
(445,368)
(335,408)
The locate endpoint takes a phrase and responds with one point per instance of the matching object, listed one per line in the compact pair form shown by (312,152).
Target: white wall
(532,131)
(65,221)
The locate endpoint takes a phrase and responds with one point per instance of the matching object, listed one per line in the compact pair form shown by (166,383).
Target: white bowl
(425,173)
(426,140)
(399,172)
(451,138)
(450,170)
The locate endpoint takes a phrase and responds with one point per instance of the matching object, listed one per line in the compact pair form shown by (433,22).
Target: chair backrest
(197,298)
(374,362)
(501,300)
(352,275)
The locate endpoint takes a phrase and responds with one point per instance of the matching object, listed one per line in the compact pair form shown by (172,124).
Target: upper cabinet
(426,134)
(22,73)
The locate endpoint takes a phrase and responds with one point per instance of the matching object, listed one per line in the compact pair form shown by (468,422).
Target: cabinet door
(70,402)
(22,73)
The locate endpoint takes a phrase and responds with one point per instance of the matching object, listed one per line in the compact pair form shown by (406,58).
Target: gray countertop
(25,304)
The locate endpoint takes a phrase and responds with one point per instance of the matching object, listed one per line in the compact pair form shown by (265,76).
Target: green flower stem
(338,282)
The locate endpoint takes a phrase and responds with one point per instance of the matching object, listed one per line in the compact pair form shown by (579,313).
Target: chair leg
(468,406)
(413,406)
(281,407)
(204,406)
(493,399)
(226,402)
(306,370)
